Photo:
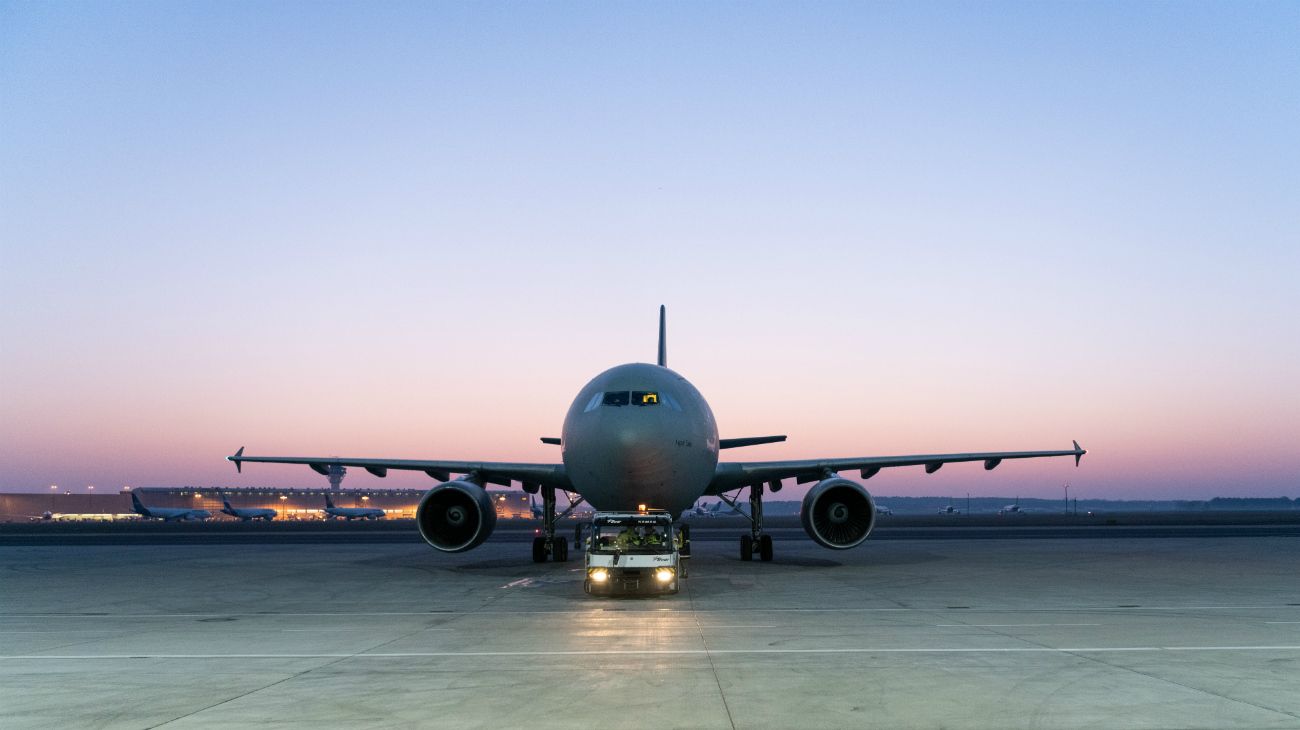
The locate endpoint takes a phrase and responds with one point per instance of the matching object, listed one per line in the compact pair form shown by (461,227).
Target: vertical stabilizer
(329,503)
(663,338)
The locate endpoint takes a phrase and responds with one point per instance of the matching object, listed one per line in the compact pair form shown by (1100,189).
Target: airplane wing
(734,475)
(492,472)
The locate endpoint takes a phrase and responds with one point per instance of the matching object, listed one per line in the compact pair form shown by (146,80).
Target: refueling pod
(838,513)
(456,516)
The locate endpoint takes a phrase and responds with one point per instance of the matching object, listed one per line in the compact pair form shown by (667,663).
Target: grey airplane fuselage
(661,454)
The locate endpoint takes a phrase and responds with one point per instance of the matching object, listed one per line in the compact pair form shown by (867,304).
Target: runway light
(600,575)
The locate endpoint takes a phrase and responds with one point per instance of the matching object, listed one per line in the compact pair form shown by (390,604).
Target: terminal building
(289,504)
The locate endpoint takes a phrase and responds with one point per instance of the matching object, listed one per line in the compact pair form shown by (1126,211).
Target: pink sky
(417,232)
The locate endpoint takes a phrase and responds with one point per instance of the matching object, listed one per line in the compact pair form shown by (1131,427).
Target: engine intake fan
(456,516)
(838,513)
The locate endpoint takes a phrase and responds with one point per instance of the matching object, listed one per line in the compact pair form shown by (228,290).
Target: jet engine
(456,516)
(838,513)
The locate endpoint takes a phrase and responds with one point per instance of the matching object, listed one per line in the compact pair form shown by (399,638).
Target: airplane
(949,510)
(247,513)
(640,435)
(366,513)
(1013,509)
(699,510)
(167,514)
(883,510)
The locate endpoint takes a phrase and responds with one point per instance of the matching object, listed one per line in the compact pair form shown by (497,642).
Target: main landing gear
(756,541)
(547,544)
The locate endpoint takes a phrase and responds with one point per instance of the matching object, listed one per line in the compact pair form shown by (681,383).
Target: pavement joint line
(655,652)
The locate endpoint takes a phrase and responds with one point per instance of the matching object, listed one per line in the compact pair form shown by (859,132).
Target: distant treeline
(931,505)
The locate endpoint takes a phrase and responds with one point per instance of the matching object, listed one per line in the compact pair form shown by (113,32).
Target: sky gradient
(415,230)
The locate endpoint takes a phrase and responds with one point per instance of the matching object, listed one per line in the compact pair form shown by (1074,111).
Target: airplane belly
(667,476)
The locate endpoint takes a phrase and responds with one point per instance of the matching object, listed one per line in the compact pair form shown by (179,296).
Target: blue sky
(398,229)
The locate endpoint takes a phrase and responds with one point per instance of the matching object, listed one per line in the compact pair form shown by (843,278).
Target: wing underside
(734,475)
(488,472)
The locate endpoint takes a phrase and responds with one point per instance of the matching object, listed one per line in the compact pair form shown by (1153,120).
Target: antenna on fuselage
(663,338)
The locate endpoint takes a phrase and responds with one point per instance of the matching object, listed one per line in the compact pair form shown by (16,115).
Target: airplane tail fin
(226,503)
(135,502)
(329,502)
(663,337)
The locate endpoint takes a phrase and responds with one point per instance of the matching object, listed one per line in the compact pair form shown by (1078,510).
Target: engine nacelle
(456,516)
(838,513)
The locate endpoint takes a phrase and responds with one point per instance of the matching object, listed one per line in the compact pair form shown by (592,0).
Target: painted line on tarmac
(349,628)
(596,611)
(654,652)
(1001,626)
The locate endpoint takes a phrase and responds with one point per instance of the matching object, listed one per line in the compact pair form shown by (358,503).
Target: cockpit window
(631,398)
(616,398)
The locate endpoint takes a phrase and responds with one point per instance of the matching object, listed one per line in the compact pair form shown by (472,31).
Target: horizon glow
(415,231)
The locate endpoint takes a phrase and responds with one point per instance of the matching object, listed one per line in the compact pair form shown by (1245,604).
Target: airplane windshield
(631,398)
(638,398)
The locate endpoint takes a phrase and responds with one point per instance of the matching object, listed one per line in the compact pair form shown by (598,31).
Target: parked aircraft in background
(949,510)
(883,510)
(247,513)
(360,513)
(699,510)
(641,435)
(1012,509)
(167,514)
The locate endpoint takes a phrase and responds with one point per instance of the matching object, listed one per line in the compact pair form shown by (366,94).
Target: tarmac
(1118,632)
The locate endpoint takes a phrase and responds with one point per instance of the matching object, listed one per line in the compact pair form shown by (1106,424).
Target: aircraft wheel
(746,548)
(561,548)
(539,550)
(765,548)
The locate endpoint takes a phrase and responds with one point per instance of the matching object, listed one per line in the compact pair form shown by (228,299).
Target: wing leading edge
(491,472)
(734,475)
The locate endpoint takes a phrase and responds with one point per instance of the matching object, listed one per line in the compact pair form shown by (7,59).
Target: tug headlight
(663,575)
(599,575)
